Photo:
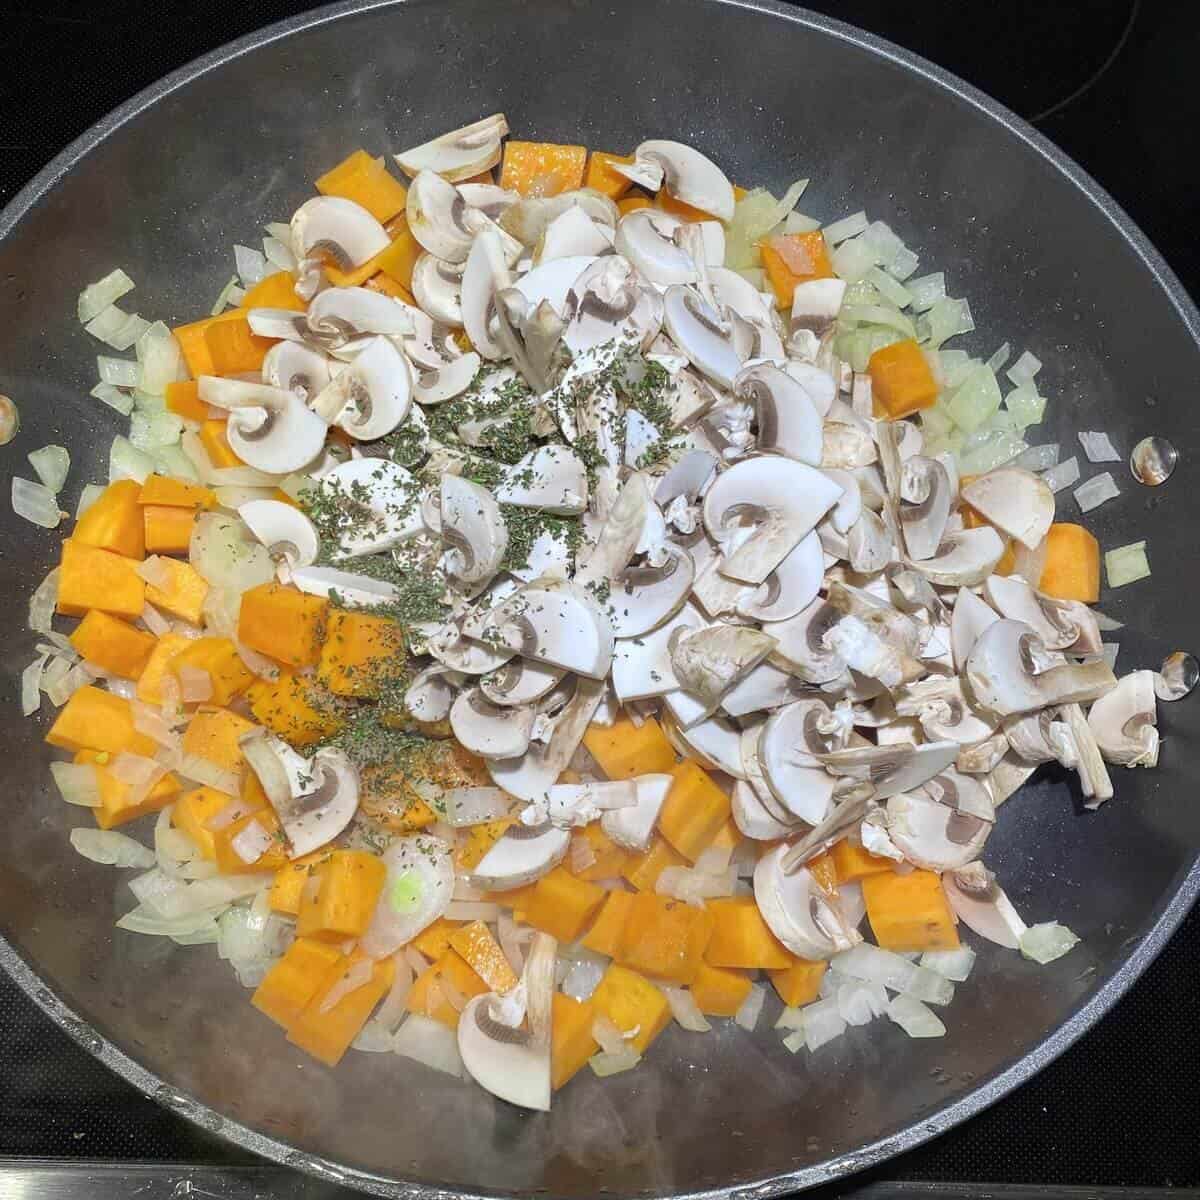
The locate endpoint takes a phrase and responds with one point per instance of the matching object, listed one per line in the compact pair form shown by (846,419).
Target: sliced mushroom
(555,622)
(289,536)
(486,273)
(608,301)
(297,368)
(523,855)
(372,395)
(943,710)
(337,229)
(642,667)
(1009,671)
(716,743)
(357,590)
(850,505)
(846,446)
(787,420)
(511,1058)
(783,500)
(489,730)
(1087,759)
(800,643)
(982,906)
(645,595)
(519,681)
(752,817)
(326,806)
(797,780)
(570,234)
(337,316)
(790,588)
(798,911)
(527,219)
(933,835)
(431,693)
(762,689)
(632,827)
(1009,774)
(970,618)
(444,224)
(1035,737)
(697,331)
(646,237)
(381,506)
(964,559)
(553,282)
(550,478)
(473,529)
(708,662)
(1061,624)
(926,488)
(434,385)
(437,287)
(1014,500)
(869,546)
(983,757)
(278,436)
(417,889)
(892,769)
(460,154)
(688,175)
(447,643)
(816,304)
(1123,721)
(864,650)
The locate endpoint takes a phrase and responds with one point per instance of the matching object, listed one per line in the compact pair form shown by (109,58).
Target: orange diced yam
(113,645)
(183,596)
(630,1001)
(824,872)
(397,260)
(306,969)
(644,869)
(800,982)
(389,287)
(794,258)
(665,938)
(288,887)
(624,750)
(611,859)
(168,530)
(361,653)
(93,719)
(563,905)
(213,734)
(296,707)
(518,899)
(341,896)
(94,578)
(192,341)
(114,521)
(366,181)
(482,953)
(677,208)
(183,399)
(192,813)
(542,168)
(608,930)
(283,623)
(1072,570)
(429,998)
(176,493)
(633,203)
(219,659)
(230,862)
(602,178)
(571,1041)
(326,1033)
(117,805)
(694,811)
(718,991)
(214,439)
(852,862)
(150,683)
(901,381)
(434,940)
(274,291)
(741,938)
(479,840)
(232,346)
(909,912)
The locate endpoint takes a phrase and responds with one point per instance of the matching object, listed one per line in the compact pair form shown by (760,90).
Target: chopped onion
(152,431)
(1038,458)
(859,1003)
(904,264)
(77,783)
(927,291)
(205,895)
(126,461)
(1098,446)
(583,976)
(357,975)
(1024,370)
(278,254)
(251,264)
(852,259)
(430,1042)
(751,1008)
(120,372)
(794,1041)
(605,1032)
(374,1038)
(90,494)
(96,297)
(144,920)
(823,1023)
(110,848)
(846,227)
(473,805)
(226,556)
(605,1064)
(195,684)
(51,464)
(1062,475)
(1025,406)
(117,328)
(950,964)
(113,397)
(1000,357)
(975,400)
(1110,650)
(66,684)
(874,965)
(916,1019)
(1045,942)
(161,359)
(200,770)
(1126,564)
(150,721)
(416,960)
(685,1010)
(1096,491)
(391,1011)
(1105,623)
(946,319)
(471,910)
(694,887)
(884,243)
(512,938)
(797,222)
(154,620)
(31,686)
(43,603)
(895,293)
(252,842)
(35,503)
(226,297)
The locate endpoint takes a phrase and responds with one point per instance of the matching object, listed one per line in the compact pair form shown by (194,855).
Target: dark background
(1113,82)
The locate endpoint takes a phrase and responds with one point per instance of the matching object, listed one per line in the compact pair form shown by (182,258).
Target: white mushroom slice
(800,643)
(446,643)
(646,237)
(519,681)
(964,559)
(783,499)
(289,536)
(1123,721)
(609,302)
(431,694)
(444,224)
(970,618)
(338,315)
(1034,737)
(553,282)
(846,447)
(633,826)
(715,593)
(557,623)
(504,1042)
(337,229)
(1009,671)
(460,154)
(1061,624)
(787,420)
(1016,501)
(644,596)
(797,781)
(473,529)
(327,806)
(488,729)
(697,331)
(641,666)
(943,710)
(285,323)
(816,304)
(752,817)
(764,688)
(798,911)
(983,757)
(277,437)
(926,488)
(550,557)
(736,292)
(417,889)
(351,589)
(437,287)
(433,385)
(531,340)
(717,743)
(370,396)
(485,274)
(869,546)
(381,503)
(690,400)
(932,835)
(523,855)
(790,588)
(550,478)
(491,200)
(1086,758)
(688,175)
(1007,776)
(980,903)
(864,650)
(527,219)
(708,662)
(817,383)
(892,769)
(620,535)
(850,506)
(296,368)
(569,235)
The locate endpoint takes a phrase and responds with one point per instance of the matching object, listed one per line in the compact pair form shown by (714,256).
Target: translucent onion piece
(583,976)
(120,372)
(161,359)
(1126,564)
(195,684)
(35,503)
(225,296)
(151,431)
(117,328)
(927,291)
(96,297)
(52,463)
(751,1008)
(823,1023)
(126,461)
(77,783)
(391,1011)
(113,397)
(31,686)
(43,602)
(685,1010)
(950,964)
(374,1038)
(1098,446)
(474,805)
(430,1042)
(846,227)
(916,1019)
(200,770)
(893,971)
(278,254)
(251,264)
(1046,942)
(355,976)
(1038,458)
(605,1064)
(471,910)
(67,684)
(155,621)
(1062,475)
(1024,370)
(110,848)
(146,921)
(90,494)
(1096,492)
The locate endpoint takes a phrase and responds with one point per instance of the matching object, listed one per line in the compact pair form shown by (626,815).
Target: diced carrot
(113,521)
(234,348)
(175,493)
(168,530)
(909,912)
(183,399)
(93,578)
(366,181)
(602,178)
(274,291)
(624,750)
(794,258)
(542,168)
(633,203)
(1072,570)
(901,381)
(113,645)
(193,342)
(216,445)
(93,719)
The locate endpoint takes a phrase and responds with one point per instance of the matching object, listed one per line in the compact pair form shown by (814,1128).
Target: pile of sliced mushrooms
(789,587)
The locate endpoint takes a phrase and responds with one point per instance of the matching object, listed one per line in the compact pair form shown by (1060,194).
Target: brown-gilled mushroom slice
(380,503)
(642,667)
(1123,721)
(892,769)
(715,742)
(488,729)
(460,154)
(435,385)
(1061,624)
(697,330)
(932,835)
(816,304)
(474,531)
(437,288)
(752,817)
(429,697)
(289,536)
(1087,759)
(798,911)
(337,229)
(800,643)
(980,903)
(646,237)
(787,421)
(945,713)
(295,367)
(555,622)
(338,316)
(964,559)
(371,395)
(785,751)
(607,302)
(927,494)
(486,273)
(687,174)
(523,855)
(1014,500)
(273,432)
(519,681)
(444,224)
(643,596)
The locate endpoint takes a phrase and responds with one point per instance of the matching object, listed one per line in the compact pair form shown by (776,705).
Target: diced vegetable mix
(342,632)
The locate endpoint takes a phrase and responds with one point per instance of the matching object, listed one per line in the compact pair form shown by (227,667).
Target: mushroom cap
(982,905)
(965,558)
(376,390)
(277,440)
(437,288)
(801,785)
(970,618)
(431,693)
(488,729)
(459,154)
(642,667)
(434,385)
(550,478)
(644,596)
(474,530)
(689,176)
(717,743)
(523,855)
(1014,500)
(418,887)
(751,816)
(519,681)
(932,835)
(338,229)
(327,806)
(382,499)
(945,713)
(358,590)
(553,281)
(485,274)
(697,331)
(816,304)
(800,645)
(1060,624)
(791,587)
(569,234)
(926,485)
(646,237)
(555,622)
(296,367)
(1123,720)
(798,911)
(787,419)
(285,531)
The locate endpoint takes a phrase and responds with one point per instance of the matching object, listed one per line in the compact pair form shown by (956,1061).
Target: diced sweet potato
(93,578)
(306,969)
(93,719)
(624,750)
(799,983)
(741,937)
(361,653)
(608,930)
(665,938)
(695,810)
(563,905)
(168,530)
(296,707)
(901,381)
(183,399)
(482,953)
(718,991)
(852,862)
(571,1041)
(1072,569)
(326,1032)
(602,178)
(117,803)
(366,181)
(909,912)
(232,346)
(113,645)
(643,870)
(340,903)
(214,439)
(184,592)
(630,1001)
(113,521)
(213,734)
(193,811)
(219,659)
(542,168)
(175,493)
(430,998)
(274,291)
(150,683)
(283,623)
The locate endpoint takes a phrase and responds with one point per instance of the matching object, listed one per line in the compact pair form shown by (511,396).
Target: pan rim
(1170,913)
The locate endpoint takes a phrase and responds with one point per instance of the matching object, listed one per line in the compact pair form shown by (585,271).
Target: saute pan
(167,183)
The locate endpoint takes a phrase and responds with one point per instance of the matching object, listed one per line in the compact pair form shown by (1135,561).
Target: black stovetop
(1112,82)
